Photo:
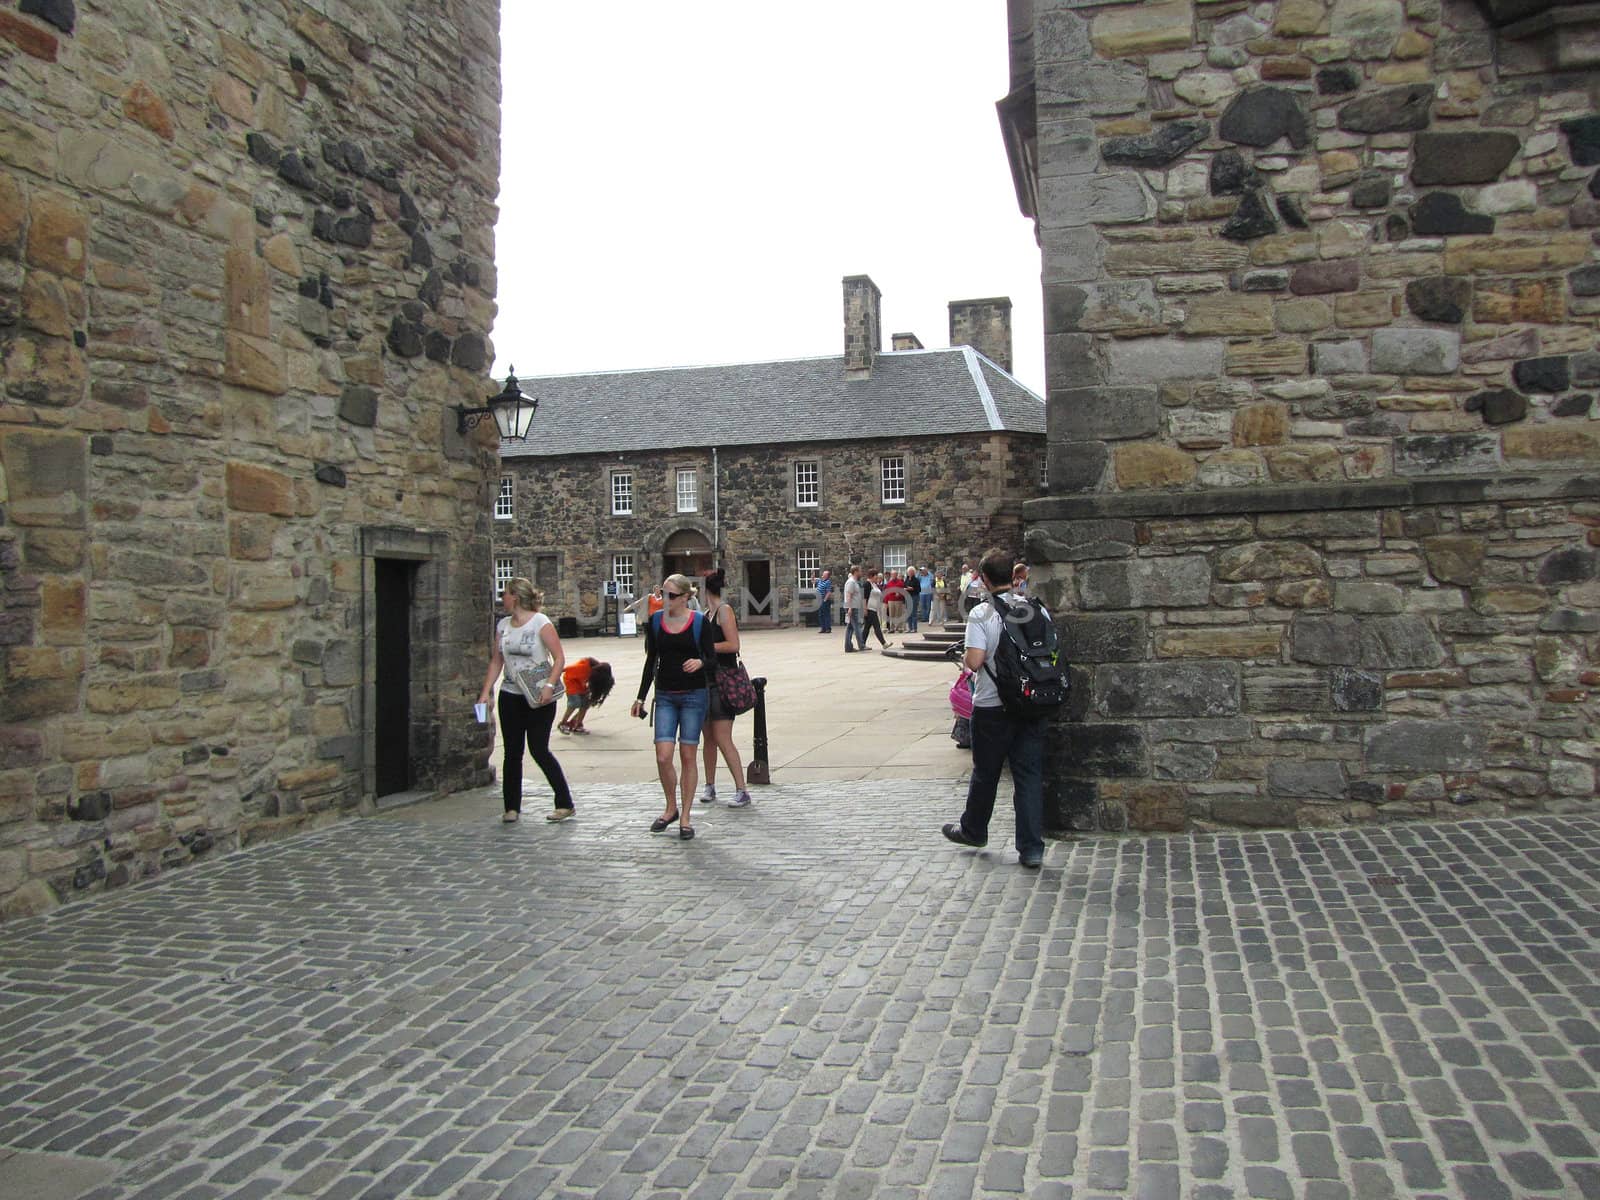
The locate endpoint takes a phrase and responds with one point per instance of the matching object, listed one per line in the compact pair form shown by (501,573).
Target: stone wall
(964,493)
(1321,301)
(246,266)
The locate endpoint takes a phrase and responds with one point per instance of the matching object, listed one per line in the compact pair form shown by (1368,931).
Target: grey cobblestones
(839,1008)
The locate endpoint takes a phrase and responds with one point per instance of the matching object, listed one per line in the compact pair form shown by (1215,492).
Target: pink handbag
(961,694)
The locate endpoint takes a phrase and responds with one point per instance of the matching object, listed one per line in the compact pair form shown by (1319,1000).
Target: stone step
(920,654)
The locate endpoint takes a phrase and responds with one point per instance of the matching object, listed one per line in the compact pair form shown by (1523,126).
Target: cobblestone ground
(821,997)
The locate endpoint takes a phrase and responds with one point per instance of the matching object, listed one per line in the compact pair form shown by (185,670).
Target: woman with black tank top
(679,660)
(719,721)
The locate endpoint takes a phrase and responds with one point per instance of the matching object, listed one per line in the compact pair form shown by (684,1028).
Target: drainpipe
(716,509)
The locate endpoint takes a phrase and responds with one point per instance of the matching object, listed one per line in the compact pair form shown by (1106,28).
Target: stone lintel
(1384,493)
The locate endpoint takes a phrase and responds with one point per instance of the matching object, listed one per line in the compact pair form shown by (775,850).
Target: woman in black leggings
(528,650)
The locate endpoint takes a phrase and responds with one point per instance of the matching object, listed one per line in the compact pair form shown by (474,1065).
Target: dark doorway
(757,588)
(394,581)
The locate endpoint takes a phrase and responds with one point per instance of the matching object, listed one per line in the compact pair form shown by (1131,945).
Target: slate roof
(909,393)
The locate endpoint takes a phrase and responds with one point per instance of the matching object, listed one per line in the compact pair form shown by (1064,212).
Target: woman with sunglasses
(679,657)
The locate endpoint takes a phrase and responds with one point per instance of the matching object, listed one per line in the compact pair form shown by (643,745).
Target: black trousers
(870,625)
(521,722)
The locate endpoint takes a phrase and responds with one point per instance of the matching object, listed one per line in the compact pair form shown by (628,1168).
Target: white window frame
(892,478)
(505,570)
(622,573)
(896,558)
(505,501)
(802,468)
(807,567)
(688,497)
(622,493)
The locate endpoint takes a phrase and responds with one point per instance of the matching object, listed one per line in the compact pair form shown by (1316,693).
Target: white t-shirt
(523,647)
(985,628)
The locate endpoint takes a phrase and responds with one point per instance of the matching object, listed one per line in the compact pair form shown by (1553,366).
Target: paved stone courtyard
(817,997)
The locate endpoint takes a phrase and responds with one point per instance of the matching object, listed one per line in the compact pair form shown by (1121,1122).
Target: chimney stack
(985,325)
(863,335)
(905,341)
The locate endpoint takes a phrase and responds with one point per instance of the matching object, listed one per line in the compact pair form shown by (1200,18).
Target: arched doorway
(687,552)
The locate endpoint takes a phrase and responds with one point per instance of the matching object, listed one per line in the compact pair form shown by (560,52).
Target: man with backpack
(1018,681)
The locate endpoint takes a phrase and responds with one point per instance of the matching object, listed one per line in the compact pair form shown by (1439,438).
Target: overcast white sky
(688,183)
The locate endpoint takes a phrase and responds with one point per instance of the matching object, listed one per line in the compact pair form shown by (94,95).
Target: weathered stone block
(1262,115)
(1321,278)
(259,490)
(1367,596)
(1260,561)
(1228,314)
(1306,780)
(1077,466)
(1151,465)
(1240,644)
(1269,356)
(1552,443)
(1285,690)
(1154,360)
(1439,298)
(1252,219)
(1451,159)
(1183,582)
(1547,375)
(1117,198)
(1254,812)
(58,235)
(1339,358)
(1389,110)
(1442,213)
(1163,145)
(1516,254)
(1088,638)
(1079,541)
(1356,691)
(1377,642)
(1418,747)
(46,476)
(1504,301)
(1108,413)
(1171,689)
(1416,351)
(1184,761)
(1148,28)
(1111,751)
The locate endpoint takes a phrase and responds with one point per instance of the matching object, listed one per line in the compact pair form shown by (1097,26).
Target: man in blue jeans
(998,737)
(853,601)
(825,602)
(925,594)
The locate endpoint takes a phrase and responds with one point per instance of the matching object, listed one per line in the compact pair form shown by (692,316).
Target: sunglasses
(674,595)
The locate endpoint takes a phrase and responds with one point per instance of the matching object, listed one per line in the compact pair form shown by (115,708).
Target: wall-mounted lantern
(512,411)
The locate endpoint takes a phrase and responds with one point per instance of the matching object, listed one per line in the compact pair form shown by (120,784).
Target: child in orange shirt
(587,682)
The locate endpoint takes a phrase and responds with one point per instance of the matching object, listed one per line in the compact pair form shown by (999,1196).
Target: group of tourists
(871,601)
(684,652)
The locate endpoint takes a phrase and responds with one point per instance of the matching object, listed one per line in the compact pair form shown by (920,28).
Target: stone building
(246,270)
(1321,290)
(774,470)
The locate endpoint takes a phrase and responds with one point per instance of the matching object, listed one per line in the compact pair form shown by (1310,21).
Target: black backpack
(1026,666)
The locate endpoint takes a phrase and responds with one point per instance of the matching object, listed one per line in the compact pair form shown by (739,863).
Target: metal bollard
(755,771)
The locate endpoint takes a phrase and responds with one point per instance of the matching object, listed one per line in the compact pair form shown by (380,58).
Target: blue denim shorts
(679,716)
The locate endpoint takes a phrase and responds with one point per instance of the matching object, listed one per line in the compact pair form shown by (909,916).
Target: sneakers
(560,814)
(741,799)
(708,794)
(954,832)
(509,816)
(1032,861)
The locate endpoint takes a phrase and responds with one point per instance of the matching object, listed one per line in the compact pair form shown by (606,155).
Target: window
(504,508)
(805,484)
(545,574)
(894,480)
(622,572)
(504,572)
(894,558)
(688,490)
(808,565)
(622,493)
(1044,472)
